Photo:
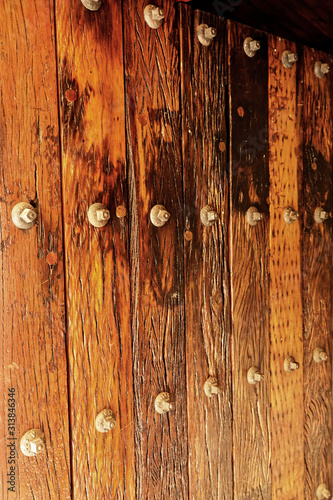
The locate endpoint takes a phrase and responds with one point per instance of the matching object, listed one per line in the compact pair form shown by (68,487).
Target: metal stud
(290,364)
(121,211)
(320,215)
(323,492)
(159,215)
(92,4)
(254,376)
(98,215)
(253,216)
(105,420)
(212,387)
(163,403)
(289,58)
(24,215)
(321,69)
(290,215)
(206,34)
(153,16)
(208,215)
(319,355)
(251,46)
(33,443)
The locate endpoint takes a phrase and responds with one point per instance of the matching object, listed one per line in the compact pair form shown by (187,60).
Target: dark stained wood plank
(306,21)
(285,166)
(249,250)
(155,174)
(317,273)
(32,297)
(207,287)
(97,260)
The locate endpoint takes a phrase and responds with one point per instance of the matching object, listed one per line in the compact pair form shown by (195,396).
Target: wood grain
(248,101)
(207,287)
(32,324)
(317,272)
(157,272)
(286,319)
(91,80)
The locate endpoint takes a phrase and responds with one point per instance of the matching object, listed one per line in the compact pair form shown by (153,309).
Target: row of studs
(24,215)
(32,443)
(154,16)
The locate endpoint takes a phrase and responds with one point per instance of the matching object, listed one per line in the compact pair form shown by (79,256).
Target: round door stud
(254,376)
(290,215)
(32,443)
(91,4)
(24,215)
(153,16)
(290,364)
(159,215)
(251,46)
(105,420)
(323,492)
(320,215)
(206,34)
(121,211)
(98,215)
(208,215)
(289,58)
(319,355)
(321,69)
(163,403)
(253,216)
(212,387)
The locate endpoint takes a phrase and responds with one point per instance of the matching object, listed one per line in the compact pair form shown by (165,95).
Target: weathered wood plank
(155,174)
(248,99)
(207,287)
(97,260)
(285,166)
(317,272)
(32,298)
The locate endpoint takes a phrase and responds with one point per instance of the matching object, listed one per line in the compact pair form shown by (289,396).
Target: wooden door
(224,306)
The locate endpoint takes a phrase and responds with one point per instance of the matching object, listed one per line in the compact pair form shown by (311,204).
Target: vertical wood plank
(285,272)
(91,78)
(155,171)
(249,252)
(32,300)
(207,286)
(317,273)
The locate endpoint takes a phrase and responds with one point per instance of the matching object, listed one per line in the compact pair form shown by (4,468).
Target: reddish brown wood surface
(206,258)
(285,168)
(317,273)
(97,260)
(249,263)
(157,253)
(32,317)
